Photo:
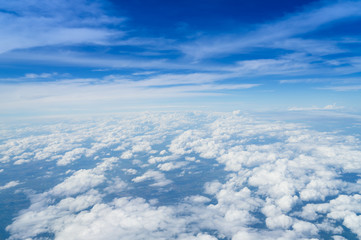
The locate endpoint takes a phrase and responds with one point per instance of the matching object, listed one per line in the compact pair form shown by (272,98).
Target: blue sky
(62,57)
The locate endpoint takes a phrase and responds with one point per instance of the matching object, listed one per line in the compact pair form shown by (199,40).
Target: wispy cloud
(289,64)
(307,80)
(9,185)
(112,90)
(279,34)
(33,23)
(41,75)
(327,107)
(344,88)
(323,80)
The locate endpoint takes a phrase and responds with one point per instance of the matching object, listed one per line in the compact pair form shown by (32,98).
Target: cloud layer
(187,176)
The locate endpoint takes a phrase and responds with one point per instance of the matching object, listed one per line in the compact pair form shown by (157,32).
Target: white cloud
(281,221)
(130,171)
(345,208)
(79,182)
(100,94)
(171,166)
(338,238)
(286,202)
(42,75)
(305,227)
(9,185)
(327,107)
(40,217)
(353,222)
(158,177)
(198,199)
(127,155)
(116,185)
(246,235)
(212,187)
(33,23)
(71,156)
(344,88)
(121,219)
(21,161)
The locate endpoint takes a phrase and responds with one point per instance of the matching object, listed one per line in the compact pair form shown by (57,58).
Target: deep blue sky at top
(64,56)
(176,18)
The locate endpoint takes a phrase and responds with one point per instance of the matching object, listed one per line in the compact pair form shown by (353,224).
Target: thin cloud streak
(83,93)
(55,22)
(327,107)
(344,88)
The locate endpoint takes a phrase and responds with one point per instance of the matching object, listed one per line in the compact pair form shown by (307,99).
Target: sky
(69,57)
(213,119)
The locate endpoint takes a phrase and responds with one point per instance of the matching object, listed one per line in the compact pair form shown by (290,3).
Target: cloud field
(190,175)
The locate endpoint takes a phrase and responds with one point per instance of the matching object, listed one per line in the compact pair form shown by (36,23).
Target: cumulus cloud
(198,199)
(71,156)
(41,218)
(130,171)
(116,186)
(79,182)
(159,178)
(171,166)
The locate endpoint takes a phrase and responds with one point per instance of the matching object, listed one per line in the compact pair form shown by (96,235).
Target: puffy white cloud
(79,203)
(130,171)
(158,177)
(319,189)
(280,221)
(79,182)
(171,166)
(154,159)
(41,218)
(121,219)
(198,199)
(212,187)
(126,155)
(116,186)
(353,222)
(305,228)
(244,235)
(71,156)
(200,236)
